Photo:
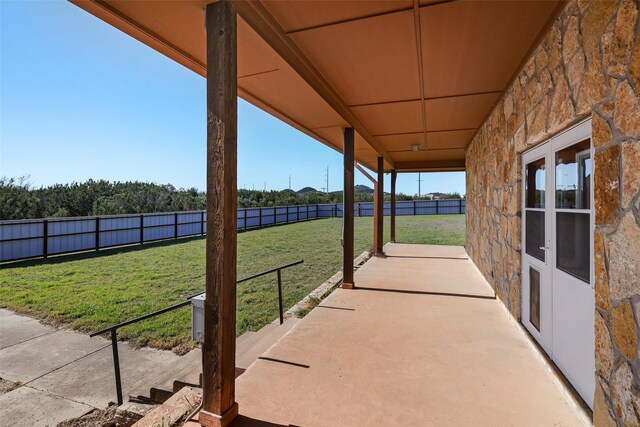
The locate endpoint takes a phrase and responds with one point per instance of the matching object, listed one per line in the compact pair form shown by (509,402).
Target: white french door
(557,253)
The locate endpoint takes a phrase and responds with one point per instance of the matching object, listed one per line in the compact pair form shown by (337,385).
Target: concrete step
(244,337)
(254,337)
(266,338)
(187,367)
(187,371)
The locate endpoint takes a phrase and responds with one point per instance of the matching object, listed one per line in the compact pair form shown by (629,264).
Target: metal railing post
(116,365)
(280,296)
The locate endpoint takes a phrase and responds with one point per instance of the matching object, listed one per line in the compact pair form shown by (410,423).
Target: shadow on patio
(422,341)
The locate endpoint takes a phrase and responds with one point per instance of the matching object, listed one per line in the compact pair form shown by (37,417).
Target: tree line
(20,200)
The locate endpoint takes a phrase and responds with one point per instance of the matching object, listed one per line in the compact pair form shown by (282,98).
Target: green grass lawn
(90,291)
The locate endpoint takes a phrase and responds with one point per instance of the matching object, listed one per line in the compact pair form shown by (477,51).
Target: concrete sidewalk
(64,374)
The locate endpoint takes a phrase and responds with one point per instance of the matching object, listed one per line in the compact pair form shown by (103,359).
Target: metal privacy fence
(23,239)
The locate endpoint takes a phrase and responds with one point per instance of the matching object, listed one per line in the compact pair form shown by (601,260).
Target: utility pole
(327,179)
(419,181)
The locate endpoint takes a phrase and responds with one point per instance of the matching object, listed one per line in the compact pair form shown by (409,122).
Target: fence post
(307,206)
(297,213)
(437,207)
(287,214)
(260,218)
(141,228)
(245,219)
(459,206)
(175,225)
(201,223)
(45,238)
(414,208)
(97,233)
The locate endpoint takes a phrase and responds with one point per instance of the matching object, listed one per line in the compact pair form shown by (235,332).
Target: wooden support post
(379,207)
(219,348)
(375,219)
(347,211)
(375,204)
(392,226)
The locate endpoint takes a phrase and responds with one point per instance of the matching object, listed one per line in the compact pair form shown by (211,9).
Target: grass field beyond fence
(87,292)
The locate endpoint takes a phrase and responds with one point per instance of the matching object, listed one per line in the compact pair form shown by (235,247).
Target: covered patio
(422,341)
(427,86)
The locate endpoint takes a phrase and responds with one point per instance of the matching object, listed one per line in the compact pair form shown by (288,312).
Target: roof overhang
(414,78)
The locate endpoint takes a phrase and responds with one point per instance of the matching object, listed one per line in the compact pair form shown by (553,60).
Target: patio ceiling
(400,72)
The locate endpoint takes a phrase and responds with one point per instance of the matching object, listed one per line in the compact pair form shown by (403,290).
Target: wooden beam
(347,209)
(365,173)
(379,208)
(219,348)
(423,102)
(392,226)
(431,166)
(266,26)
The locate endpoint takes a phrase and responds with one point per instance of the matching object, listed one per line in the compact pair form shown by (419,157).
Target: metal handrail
(114,328)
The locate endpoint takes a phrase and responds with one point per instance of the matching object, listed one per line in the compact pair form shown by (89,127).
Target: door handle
(542,248)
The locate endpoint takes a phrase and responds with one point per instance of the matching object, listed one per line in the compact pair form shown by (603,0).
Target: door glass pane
(534,184)
(573,177)
(573,250)
(534,298)
(534,234)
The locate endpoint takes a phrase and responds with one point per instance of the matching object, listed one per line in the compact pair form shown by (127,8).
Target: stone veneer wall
(588,64)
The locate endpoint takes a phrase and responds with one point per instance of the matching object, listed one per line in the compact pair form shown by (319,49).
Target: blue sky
(80,100)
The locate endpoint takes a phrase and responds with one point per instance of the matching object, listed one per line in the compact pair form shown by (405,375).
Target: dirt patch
(6,386)
(95,418)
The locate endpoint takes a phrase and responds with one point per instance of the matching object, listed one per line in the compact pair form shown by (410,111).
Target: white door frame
(570,301)
(544,336)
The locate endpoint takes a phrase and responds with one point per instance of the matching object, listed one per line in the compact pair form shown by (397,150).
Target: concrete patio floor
(422,342)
